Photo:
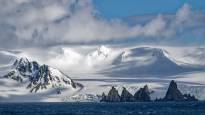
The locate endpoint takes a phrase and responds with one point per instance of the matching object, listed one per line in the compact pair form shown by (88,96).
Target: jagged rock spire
(113,95)
(142,94)
(173,93)
(126,96)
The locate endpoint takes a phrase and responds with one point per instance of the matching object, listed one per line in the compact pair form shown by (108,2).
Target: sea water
(83,108)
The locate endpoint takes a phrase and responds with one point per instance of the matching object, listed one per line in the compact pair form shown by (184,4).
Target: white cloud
(183,14)
(155,27)
(44,15)
(73,21)
(181,17)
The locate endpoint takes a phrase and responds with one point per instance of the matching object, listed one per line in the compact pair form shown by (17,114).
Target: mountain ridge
(39,76)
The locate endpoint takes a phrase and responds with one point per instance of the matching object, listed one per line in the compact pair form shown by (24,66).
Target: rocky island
(143,95)
(174,94)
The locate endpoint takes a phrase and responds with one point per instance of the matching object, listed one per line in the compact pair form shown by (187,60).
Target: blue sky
(123,8)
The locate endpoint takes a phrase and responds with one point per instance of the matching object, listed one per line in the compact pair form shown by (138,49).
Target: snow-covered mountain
(118,60)
(147,61)
(38,77)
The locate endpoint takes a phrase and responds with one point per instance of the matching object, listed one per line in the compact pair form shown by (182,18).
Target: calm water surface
(157,108)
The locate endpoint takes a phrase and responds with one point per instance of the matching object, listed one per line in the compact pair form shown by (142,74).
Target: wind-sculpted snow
(6,57)
(147,61)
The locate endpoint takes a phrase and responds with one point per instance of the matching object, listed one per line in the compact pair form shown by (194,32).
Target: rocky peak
(21,61)
(22,64)
(146,89)
(39,76)
(113,95)
(142,94)
(173,93)
(126,96)
(173,85)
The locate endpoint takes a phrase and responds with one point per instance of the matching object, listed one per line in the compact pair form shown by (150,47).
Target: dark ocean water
(159,108)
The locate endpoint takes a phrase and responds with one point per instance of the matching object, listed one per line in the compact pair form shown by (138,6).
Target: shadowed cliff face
(126,96)
(113,95)
(173,93)
(142,94)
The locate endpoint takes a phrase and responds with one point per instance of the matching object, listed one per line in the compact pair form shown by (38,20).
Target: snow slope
(147,61)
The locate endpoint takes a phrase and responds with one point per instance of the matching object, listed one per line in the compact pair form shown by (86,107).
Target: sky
(123,8)
(34,23)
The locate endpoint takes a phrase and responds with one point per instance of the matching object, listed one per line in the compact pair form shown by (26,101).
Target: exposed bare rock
(113,95)
(174,94)
(142,94)
(126,96)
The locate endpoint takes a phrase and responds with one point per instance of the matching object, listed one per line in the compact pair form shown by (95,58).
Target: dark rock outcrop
(188,97)
(113,95)
(104,98)
(142,94)
(174,94)
(126,96)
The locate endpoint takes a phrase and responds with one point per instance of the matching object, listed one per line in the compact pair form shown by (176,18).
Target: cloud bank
(40,22)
